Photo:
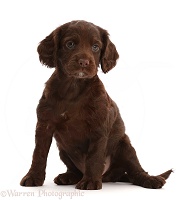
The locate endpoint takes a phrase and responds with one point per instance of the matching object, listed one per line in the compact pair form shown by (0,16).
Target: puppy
(76,109)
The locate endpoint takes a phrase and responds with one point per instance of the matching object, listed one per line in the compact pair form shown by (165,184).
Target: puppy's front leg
(94,166)
(43,139)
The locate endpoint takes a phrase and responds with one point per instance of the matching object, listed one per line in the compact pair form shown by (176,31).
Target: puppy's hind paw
(153,182)
(67,178)
(89,184)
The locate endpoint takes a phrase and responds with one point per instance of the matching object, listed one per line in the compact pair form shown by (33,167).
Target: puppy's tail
(166,175)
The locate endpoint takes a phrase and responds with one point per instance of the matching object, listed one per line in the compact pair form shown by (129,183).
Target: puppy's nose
(84,62)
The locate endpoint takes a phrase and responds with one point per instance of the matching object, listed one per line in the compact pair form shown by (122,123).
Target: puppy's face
(77,49)
(80,50)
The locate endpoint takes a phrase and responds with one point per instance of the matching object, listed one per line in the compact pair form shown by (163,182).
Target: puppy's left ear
(109,54)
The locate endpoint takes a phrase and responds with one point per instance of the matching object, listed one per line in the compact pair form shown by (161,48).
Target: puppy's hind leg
(115,174)
(129,161)
(72,175)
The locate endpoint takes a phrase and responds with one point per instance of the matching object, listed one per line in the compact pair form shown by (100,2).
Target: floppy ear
(109,54)
(47,48)
(46,51)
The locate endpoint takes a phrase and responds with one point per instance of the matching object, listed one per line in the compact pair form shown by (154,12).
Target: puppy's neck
(69,88)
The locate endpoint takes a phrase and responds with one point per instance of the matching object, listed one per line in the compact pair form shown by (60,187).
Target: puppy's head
(77,49)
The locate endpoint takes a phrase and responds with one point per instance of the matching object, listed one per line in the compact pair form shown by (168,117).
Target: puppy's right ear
(46,51)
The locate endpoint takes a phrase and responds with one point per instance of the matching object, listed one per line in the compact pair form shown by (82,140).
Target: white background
(144,84)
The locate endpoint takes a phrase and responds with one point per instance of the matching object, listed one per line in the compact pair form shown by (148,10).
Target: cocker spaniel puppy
(76,110)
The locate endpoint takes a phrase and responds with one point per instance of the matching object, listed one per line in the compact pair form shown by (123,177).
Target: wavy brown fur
(76,110)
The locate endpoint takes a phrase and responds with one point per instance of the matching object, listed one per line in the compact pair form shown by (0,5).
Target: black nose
(84,62)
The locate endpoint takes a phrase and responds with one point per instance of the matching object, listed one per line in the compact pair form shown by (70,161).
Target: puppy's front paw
(31,180)
(89,184)
(154,182)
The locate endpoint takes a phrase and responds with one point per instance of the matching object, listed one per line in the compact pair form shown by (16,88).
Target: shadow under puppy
(76,109)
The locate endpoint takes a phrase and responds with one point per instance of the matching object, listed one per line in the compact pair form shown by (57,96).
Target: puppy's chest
(71,116)
(71,125)
(66,111)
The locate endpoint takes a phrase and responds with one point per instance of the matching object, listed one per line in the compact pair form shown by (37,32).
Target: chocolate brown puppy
(76,110)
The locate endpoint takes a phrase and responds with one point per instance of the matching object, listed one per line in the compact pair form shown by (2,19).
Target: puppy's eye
(70,45)
(95,48)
